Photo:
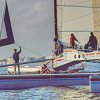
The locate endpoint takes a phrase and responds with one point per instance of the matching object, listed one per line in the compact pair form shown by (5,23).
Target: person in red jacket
(72,40)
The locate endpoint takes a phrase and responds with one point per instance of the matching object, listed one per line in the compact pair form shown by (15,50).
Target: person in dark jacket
(92,41)
(16,59)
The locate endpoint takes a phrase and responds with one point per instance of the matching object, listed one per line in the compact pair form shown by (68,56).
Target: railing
(22,63)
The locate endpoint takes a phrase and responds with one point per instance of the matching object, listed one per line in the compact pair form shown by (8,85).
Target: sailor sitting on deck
(45,69)
(92,41)
(59,47)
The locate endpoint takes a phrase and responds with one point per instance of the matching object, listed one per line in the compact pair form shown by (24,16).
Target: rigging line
(79,31)
(81,17)
(85,29)
(81,2)
(68,21)
(78,6)
(62,11)
(29,50)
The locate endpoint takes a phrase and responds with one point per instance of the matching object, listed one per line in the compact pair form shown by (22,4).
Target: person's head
(44,66)
(91,33)
(72,34)
(55,39)
(15,50)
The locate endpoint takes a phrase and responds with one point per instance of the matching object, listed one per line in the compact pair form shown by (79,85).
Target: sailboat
(24,81)
(65,14)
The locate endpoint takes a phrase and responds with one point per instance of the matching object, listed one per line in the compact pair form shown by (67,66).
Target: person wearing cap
(16,59)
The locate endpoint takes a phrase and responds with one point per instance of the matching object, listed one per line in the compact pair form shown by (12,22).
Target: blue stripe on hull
(42,80)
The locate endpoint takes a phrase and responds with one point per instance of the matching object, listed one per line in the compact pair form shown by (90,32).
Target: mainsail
(6,34)
(79,17)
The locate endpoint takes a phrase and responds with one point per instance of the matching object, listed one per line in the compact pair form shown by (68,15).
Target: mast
(55,21)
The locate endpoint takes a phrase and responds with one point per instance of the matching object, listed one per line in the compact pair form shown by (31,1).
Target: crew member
(72,40)
(16,59)
(92,41)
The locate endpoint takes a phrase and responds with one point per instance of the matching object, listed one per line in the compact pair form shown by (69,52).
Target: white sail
(75,16)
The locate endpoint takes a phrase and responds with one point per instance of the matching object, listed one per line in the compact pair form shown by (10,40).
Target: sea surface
(54,93)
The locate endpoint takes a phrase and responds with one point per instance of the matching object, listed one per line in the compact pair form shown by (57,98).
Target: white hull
(72,56)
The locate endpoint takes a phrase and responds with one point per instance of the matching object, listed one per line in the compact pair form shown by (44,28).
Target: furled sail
(79,17)
(6,34)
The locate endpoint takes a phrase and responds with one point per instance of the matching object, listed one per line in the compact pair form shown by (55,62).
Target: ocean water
(50,93)
(53,93)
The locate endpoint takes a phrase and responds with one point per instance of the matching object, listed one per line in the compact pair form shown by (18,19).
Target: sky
(33,27)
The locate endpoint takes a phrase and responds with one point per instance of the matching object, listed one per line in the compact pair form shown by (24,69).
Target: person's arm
(75,39)
(20,49)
